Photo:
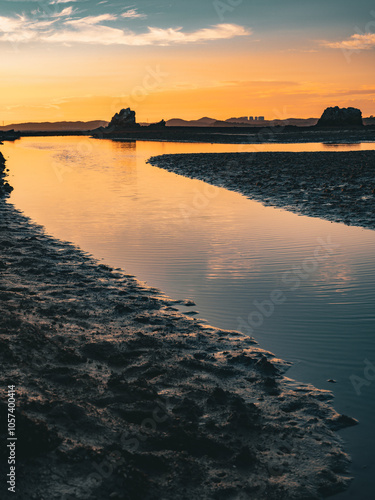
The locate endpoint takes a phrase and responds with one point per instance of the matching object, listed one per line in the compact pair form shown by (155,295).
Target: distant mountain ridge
(80,126)
(202,122)
(55,126)
(239,122)
(231,122)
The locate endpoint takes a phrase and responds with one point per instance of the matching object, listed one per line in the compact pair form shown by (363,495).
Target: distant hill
(207,121)
(211,122)
(55,126)
(174,122)
(202,122)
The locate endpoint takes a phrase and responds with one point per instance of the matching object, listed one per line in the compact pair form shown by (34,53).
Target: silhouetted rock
(9,135)
(124,119)
(341,117)
(5,188)
(160,124)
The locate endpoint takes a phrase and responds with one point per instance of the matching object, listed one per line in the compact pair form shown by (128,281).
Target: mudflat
(337,186)
(118,395)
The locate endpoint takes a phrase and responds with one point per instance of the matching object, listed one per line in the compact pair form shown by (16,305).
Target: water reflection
(225,252)
(352,146)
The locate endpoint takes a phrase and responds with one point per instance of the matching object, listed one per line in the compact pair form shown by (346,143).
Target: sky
(85,60)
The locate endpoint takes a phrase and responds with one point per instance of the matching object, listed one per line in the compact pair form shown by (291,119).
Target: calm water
(225,252)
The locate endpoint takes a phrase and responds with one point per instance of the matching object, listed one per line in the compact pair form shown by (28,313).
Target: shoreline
(121,396)
(336,186)
(243,135)
(285,134)
(5,188)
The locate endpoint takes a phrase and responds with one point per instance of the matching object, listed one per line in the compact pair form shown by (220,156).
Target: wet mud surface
(337,186)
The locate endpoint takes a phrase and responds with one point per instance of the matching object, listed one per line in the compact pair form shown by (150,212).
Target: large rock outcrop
(124,119)
(341,117)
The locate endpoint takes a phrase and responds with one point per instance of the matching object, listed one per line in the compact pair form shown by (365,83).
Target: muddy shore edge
(336,186)
(119,395)
(243,135)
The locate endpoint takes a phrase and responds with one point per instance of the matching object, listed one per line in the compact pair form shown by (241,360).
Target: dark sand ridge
(121,396)
(338,186)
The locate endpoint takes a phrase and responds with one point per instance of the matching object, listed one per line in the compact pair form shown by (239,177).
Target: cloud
(370,92)
(68,11)
(355,42)
(133,14)
(95,30)
(22,29)
(89,31)
(51,2)
(91,20)
(260,83)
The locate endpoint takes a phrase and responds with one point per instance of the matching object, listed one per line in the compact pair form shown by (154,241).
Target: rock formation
(124,119)
(9,135)
(158,125)
(341,117)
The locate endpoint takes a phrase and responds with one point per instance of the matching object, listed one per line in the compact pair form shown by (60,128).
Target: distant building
(242,119)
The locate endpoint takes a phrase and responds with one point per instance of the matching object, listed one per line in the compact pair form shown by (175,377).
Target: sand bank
(337,186)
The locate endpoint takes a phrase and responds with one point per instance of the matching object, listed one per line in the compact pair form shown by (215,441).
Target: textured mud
(337,186)
(121,396)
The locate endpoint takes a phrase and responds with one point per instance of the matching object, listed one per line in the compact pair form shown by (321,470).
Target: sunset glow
(83,60)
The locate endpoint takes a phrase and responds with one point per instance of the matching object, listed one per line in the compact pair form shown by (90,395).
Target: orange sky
(279,75)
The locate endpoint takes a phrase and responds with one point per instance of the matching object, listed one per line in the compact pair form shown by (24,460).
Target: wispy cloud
(53,2)
(369,91)
(90,32)
(65,27)
(133,14)
(68,11)
(23,29)
(90,20)
(355,42)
